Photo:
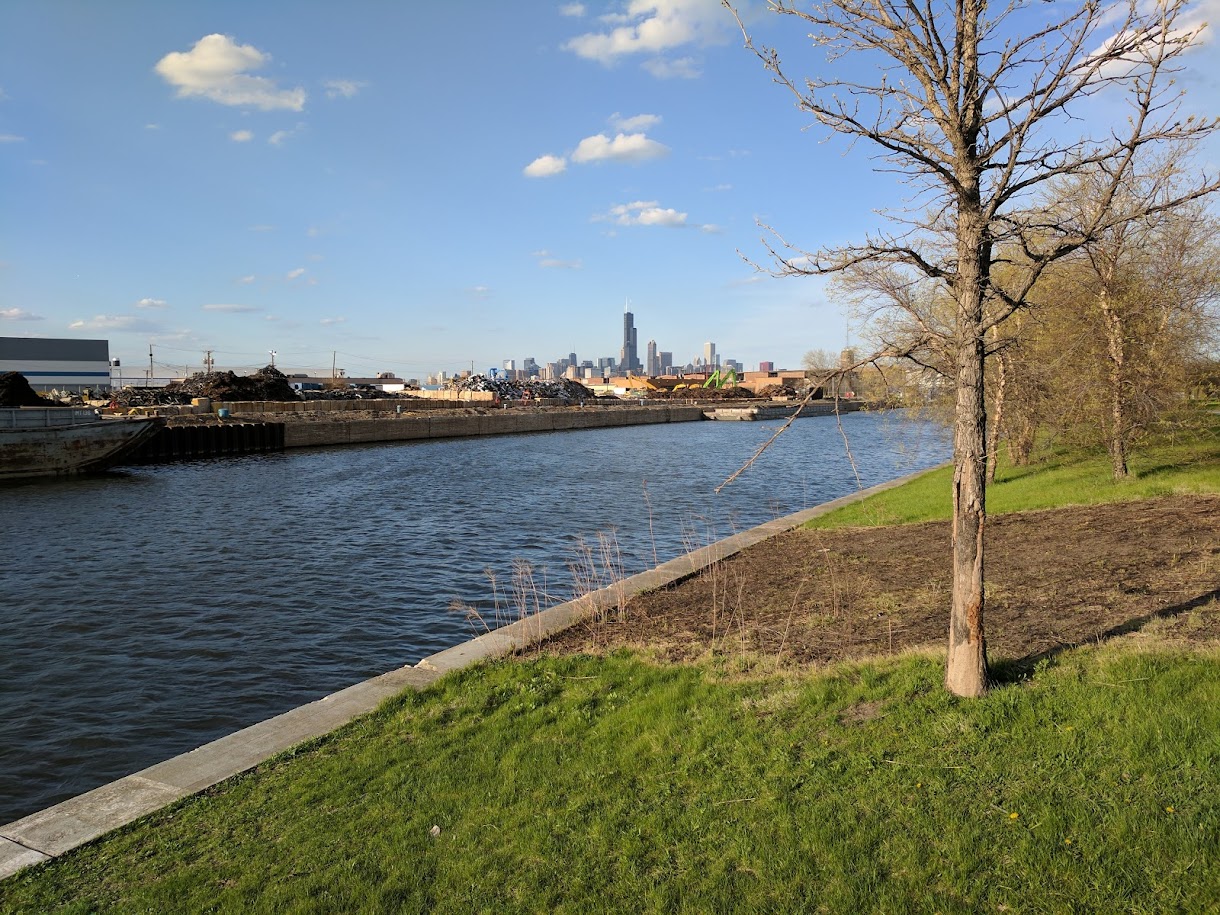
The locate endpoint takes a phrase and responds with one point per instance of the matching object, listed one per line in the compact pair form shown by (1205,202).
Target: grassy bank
(1084,783)
(573,785)
(1168,465)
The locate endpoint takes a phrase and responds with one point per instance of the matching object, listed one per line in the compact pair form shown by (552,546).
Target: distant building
(709,355)
(653,361)
(666,361)
(629,359)
(59,364)
(766,366)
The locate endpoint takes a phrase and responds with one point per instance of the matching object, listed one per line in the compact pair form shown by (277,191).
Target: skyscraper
(629,359)
(709,355)
(653,366)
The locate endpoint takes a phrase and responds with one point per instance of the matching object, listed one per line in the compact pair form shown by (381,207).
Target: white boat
(62,441)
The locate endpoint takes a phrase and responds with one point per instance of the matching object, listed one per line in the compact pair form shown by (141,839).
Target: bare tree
(1148,281)
(970,107)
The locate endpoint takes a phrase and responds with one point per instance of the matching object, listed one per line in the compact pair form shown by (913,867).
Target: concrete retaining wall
(399,428)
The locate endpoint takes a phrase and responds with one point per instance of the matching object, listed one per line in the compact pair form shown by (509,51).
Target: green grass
(1187,463)
(579,785)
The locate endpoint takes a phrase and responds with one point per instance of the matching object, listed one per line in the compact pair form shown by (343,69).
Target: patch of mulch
(1055,579)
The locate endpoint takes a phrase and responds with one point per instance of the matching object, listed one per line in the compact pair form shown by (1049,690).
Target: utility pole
(150,366)
(333,354)
(272,352)
(207,362)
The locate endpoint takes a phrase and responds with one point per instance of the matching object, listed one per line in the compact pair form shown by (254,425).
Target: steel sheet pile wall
(176,443)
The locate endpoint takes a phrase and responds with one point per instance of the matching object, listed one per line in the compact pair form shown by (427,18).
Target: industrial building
(57,364)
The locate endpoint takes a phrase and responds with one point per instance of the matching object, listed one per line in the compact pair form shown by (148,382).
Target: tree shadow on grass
(1006,672)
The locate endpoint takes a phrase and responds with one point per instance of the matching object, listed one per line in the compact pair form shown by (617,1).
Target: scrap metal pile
(564,389)
(266,384)
(15,391)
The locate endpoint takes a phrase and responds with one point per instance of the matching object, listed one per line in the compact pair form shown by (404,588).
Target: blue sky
(416,186)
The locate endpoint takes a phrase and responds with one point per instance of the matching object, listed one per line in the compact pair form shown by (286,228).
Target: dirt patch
(1055,579)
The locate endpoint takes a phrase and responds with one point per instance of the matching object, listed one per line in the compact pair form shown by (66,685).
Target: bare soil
(1055,579)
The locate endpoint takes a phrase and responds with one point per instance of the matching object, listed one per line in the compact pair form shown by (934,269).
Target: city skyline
(319,179)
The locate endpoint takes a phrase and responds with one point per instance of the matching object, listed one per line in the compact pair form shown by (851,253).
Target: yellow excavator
(635,382)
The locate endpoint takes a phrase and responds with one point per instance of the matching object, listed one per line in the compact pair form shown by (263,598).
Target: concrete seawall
(393,428)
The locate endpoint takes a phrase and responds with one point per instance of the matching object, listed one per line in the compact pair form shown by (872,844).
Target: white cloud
(342,88)
(572,9)
(638,122)
(18,314)
(653,27)
(719,187)
(294,274)
(247,280)
(241,136)
(11,138)
(229,308)
(151,303)
(679,68)
(645,213)
(113,322)
(480,292)
(280,136)
(633,147)
(545,166)
(215,69)
(547,261)
(327,322)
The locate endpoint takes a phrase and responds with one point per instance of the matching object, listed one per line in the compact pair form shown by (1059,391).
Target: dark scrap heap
(564,389)
(15,391)
(267,383)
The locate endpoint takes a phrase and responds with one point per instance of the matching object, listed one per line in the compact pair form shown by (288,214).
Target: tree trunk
(997,413)
(966,668)
(1119,419)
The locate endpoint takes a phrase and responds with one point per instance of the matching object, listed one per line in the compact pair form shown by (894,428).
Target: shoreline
(53,831)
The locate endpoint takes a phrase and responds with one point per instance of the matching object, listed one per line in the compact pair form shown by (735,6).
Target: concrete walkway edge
(48,833)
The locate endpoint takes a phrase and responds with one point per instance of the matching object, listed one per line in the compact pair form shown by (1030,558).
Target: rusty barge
(63,441)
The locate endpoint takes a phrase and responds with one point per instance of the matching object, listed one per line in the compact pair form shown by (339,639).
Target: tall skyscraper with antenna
(629,359)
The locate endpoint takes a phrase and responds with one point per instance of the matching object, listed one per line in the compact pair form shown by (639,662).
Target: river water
(147,611)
